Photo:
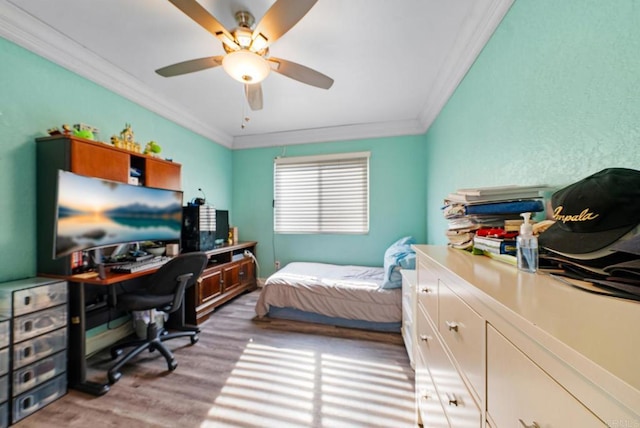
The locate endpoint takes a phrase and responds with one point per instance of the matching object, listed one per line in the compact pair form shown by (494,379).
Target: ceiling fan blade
(280,17)
(254,95)
(190,66)
(301,73)
(195,11)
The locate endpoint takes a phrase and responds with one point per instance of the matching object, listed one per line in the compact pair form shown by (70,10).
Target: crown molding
(330,134)
(37,37)
(468,46)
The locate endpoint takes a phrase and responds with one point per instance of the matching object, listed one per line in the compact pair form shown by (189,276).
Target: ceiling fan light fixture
(228,42)
(246,66)
(243,36)
(259,43)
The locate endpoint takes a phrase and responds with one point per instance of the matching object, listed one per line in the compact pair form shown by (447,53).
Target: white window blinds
(322,194)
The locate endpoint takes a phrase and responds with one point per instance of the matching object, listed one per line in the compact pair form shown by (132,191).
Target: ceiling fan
(247,56)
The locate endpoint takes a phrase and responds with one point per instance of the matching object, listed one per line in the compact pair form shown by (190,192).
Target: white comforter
(351,292)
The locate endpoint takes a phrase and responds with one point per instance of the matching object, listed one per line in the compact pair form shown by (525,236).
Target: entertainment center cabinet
(497,347)
(229,273)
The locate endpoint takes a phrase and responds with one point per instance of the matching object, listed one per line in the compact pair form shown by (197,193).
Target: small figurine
(152,148)
(85,131)
(117,142)
(127,134)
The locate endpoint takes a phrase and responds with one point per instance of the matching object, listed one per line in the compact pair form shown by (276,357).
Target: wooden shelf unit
(93,159)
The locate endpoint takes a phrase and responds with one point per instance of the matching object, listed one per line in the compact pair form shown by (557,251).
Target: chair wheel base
(194,339)
(114,377)
(115,353)
(173,364)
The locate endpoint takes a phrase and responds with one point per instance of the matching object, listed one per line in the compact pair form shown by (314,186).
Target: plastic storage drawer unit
(39,372)
(34,360)
(37,323)
(29,295)
(4,415)
(39,347)
(37,398)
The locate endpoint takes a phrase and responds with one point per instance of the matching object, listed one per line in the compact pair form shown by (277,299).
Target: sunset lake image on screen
(93,212)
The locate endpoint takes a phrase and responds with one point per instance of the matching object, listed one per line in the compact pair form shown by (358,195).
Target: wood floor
(250,373)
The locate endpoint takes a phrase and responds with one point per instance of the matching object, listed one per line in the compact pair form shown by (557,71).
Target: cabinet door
(162,174)
(247,272)
(231,276)
(210,286)
(520,394)
(96,161)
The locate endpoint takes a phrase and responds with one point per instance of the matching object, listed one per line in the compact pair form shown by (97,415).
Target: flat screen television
(93,213)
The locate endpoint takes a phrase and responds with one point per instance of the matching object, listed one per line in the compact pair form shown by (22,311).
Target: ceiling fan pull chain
(245,118)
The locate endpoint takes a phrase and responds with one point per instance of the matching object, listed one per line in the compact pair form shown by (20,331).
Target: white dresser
(409,280)
(497,347)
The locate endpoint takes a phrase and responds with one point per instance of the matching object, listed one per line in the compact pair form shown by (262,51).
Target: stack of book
(470,213)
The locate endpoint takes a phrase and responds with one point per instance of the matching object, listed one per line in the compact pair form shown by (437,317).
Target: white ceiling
(394,63)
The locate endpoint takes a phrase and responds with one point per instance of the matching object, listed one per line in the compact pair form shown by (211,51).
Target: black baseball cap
(594,212)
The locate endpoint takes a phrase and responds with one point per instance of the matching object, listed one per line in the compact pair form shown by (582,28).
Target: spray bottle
(527,246)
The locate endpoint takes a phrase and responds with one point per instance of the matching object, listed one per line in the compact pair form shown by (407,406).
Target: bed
(361,297)
(342,295)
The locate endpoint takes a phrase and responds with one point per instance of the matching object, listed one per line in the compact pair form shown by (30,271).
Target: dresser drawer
(36,298)
(4,361)
(4,333)
(430,411)
(4,389)
(35,324)
(463,331)
(4,415)
(519,393)
(427,289)
(456,399)
(39,347)
(37,398)
(39,372)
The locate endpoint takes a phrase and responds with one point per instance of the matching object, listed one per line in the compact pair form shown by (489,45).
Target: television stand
(228,274)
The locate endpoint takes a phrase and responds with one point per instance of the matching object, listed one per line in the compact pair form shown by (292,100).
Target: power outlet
(277,264)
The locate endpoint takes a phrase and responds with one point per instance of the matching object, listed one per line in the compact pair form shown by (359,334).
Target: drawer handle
(425,290)
(425,337)
(533,425)
(453,400)
(453,326)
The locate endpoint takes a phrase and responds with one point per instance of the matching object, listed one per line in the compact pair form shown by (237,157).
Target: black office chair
(164,292)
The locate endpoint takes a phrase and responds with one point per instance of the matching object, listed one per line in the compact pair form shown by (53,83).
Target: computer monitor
(93,213)
(222,226)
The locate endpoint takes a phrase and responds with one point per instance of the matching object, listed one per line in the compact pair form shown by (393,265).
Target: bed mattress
(342,291)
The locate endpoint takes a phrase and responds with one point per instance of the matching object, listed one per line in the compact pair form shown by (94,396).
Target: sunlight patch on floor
(273,386)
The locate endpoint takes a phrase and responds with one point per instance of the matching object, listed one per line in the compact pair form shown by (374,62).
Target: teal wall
(397,189)
(553,98)
(35,95)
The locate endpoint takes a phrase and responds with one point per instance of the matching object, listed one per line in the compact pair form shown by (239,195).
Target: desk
(224,278)
(77,362)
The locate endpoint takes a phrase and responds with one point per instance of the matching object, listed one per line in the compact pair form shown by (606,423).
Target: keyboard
(141,266)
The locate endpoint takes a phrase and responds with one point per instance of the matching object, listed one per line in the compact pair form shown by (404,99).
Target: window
(322,194)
